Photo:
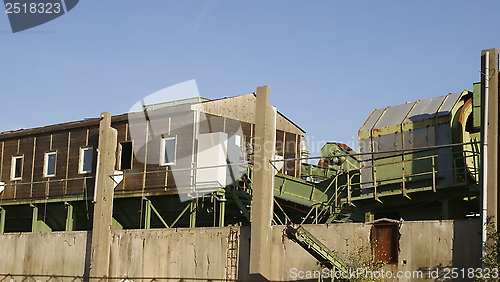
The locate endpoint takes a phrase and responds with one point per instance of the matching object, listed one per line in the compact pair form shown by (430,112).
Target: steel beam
(192,213)
(69,217)
(147,214)
(3,213)
(180,215)
(34,218)
(157,214)
(222,207)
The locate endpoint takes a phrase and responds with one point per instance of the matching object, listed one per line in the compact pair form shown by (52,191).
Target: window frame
(82,159)
(162,150)
(46,162)
(13,167)
(120,157)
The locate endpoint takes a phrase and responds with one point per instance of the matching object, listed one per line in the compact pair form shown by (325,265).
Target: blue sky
(329,63)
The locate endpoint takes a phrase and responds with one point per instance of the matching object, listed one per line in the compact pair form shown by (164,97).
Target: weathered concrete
(263,183)
(103,207)
(61,253)
(423,245)
(203,252)
(490,94)
(186,252)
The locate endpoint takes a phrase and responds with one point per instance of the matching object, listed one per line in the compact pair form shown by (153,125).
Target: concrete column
(103,206)
(263,184)
(489,91)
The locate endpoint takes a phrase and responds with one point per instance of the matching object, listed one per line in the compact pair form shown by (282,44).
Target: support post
(69,217)
(103,206)
(192,214)
(222,207)
(263,184)
(3,213)
(369,216)
(147,214)
(489,139)
(489,92)
(34,218)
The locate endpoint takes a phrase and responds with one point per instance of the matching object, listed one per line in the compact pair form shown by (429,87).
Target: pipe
(485,152)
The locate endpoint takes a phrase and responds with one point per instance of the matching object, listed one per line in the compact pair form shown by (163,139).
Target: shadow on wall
(466,254)
(467,245)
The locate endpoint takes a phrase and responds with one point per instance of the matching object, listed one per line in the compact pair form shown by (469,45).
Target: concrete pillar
(263,184)
(103,206)
(489,91)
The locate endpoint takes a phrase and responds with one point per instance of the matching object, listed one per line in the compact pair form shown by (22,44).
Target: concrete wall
(184,252)
(61,253)
(423,245)
(206,252)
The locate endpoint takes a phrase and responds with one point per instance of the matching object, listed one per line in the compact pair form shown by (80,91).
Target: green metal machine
(419,160)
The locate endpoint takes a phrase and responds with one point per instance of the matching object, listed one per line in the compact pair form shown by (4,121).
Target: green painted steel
(3,212)
(317,249)
(192,213)
(427,123)
(332,190)
(147,214)
(69,217)
(329,165)
(343,163)
(476,102)
(34,219)
(221,196)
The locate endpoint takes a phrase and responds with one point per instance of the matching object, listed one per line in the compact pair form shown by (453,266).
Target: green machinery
(419,160)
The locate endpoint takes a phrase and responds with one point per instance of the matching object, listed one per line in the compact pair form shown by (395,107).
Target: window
(167,150)
(86,155)
(126,155)
(50,164)
(17,167)
(385,241)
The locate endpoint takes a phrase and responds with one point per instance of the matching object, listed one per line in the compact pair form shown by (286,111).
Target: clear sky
(329,63)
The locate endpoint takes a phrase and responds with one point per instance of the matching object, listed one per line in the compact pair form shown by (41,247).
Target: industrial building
(224,189)
(49,172)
